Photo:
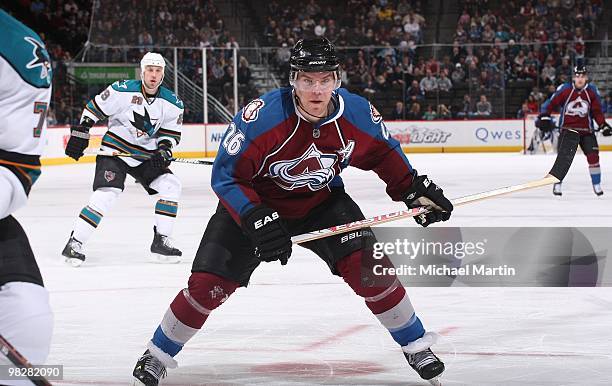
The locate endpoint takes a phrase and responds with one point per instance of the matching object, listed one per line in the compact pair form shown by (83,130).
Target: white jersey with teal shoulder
(25,89)
(136,123)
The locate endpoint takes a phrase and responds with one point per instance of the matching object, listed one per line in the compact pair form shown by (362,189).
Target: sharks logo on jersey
(40,59)
(143,123)
(313,169)
(578,107)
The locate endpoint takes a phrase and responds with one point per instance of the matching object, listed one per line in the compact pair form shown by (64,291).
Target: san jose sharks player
(277,174)
(26,319)
(580,104)
(144,119)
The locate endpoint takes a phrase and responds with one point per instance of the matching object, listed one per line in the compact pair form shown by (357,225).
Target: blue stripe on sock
(596,178)
(91,215)
(409,332)
(165,344)
(166,208)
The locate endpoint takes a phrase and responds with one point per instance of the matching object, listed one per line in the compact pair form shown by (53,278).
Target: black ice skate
(73,252)
(597,189)
(148,371)
(162,250)
(423,360)
(557,189)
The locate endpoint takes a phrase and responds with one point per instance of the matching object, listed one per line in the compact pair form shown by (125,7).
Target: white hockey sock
(100,203)
(165,213)
(169,188)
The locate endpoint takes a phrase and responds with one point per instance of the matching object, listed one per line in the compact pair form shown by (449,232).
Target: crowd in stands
(380,43)
(147,23)
(537,42)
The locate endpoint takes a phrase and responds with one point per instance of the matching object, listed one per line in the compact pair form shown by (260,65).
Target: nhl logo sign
(250,112)
(109,175)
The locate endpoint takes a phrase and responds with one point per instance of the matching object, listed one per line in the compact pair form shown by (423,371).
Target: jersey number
(233,140)
(40,108)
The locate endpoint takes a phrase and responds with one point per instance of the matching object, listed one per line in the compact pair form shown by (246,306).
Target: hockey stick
(145,157)
(408,213)
(20,361)
(568,145)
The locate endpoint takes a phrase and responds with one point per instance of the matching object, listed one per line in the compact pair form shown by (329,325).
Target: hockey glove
(544,122)
(163,155)
(79,139)
(268,234)
(423,192)
(606,130)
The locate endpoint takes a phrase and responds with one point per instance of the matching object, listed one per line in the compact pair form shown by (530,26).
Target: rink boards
(448,136)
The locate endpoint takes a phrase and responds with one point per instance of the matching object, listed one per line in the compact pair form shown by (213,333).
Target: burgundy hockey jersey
(578,107)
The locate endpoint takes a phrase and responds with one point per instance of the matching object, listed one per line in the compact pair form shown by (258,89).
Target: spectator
(532,105)
(548,74)
(397,77)
(415,93)
(320,29)
(444,83)
(444,112)
(467,108)
(523,111)
(398,112)
(483,107)
(458,74)
(412,27)
(244,72)
(430,114)
(429,83)
(414,114)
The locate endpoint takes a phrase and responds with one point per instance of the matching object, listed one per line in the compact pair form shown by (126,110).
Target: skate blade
(435,381)
(136,382)
(73,262)
(156,258)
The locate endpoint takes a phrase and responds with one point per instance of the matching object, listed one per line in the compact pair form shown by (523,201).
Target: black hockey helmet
(314,55)
(580,69)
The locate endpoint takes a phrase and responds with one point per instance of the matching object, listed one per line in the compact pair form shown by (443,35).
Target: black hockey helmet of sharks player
(314,75)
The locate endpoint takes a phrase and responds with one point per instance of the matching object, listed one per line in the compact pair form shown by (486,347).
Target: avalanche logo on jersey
(143,124)
(577,107)
(41,58)
(314,169)
(374,114)
(250,112)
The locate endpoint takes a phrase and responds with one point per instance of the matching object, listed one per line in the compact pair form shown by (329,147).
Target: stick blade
(568,144)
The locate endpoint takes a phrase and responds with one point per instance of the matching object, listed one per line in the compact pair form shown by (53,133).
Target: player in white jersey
(26,319)
(144,119)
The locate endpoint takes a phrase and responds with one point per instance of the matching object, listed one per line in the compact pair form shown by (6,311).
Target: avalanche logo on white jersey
(578,107)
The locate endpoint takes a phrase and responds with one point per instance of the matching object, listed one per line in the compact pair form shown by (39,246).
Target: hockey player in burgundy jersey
(277,174)
(579,103)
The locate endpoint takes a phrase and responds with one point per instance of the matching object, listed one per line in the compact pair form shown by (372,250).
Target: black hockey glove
(163,155)
(423,192)
(79,139)
(606,130)
(544,122)
(268,234)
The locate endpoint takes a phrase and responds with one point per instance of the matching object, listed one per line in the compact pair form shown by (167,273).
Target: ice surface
(299,325)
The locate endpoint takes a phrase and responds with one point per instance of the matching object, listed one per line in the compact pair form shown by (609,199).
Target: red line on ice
(337,336)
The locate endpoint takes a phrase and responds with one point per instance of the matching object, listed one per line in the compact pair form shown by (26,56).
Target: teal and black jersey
(25,93)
